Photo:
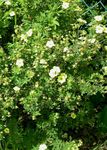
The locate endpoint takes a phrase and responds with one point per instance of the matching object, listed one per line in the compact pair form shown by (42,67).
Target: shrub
(53,72)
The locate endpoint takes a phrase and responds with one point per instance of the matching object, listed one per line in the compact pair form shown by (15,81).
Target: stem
(15,20)
(0,146)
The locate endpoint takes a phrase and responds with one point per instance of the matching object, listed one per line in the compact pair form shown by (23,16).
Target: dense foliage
(53,75)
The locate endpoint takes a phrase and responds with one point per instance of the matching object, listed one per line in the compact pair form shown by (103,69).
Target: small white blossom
(43,62)
(12,13)
(92,41)
(37,84)
(62,78)
(98,18)
(99,29)
(54,71)
(23,38)
(29,33)
(65,49)
(7,2)
(50,44)
(65,5)
(19,62)
(16,89)
(42,147)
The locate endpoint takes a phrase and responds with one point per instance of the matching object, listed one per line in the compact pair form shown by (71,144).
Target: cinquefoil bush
(53,72)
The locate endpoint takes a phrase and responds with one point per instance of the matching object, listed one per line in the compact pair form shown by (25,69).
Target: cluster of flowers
(25,36)
(100,28)
(65,5)
(55,71)
(8,3)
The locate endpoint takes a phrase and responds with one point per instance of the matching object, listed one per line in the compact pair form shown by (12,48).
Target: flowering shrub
(53,73)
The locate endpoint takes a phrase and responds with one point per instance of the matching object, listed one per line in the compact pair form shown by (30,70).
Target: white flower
(7,2)
(50,44)
(29,33)
(54,71)
(65,5)
(92,41)
(12,13)
(42,147)
(65,49)
(16,89)
(98,18)
(62,78)
(19,62)
(99,29)
(43,62)
(23,38)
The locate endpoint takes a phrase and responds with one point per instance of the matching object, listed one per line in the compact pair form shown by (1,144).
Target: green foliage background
(67,116)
